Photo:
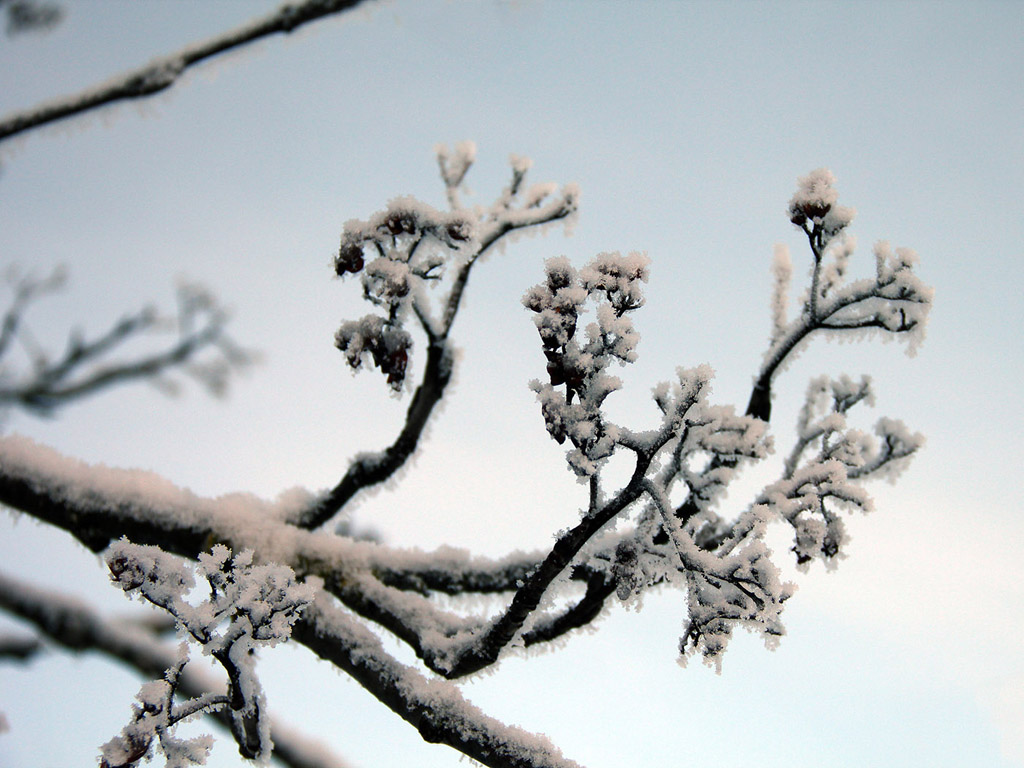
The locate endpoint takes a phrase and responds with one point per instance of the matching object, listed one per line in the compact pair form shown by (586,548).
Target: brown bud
(398,223)
(350,259)
(458,232)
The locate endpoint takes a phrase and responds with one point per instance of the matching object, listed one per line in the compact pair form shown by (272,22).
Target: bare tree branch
(19,648)
(30,16)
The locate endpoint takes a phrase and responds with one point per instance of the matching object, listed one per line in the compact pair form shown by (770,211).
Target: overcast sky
(686,125)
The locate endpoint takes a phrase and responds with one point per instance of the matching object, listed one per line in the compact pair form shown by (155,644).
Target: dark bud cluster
(349,259)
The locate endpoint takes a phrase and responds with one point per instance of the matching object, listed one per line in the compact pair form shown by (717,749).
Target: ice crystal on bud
(813,209)
(387,346)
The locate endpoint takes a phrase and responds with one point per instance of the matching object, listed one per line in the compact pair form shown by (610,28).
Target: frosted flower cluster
(683,466)
(814,206)
(410,247)
(396,252)
(373,338)
(580,365)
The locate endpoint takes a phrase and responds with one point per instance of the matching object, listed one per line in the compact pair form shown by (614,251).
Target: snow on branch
(435,708)
(165,72)
(200,348)
(612,282)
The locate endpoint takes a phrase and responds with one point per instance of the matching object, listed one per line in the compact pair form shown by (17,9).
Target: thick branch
(600,587)
(436,710)
(486,649)
(93,519)
(462,578)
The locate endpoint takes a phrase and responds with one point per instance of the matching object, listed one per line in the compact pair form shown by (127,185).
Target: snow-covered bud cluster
(249,605)
(819,475)
(261,602)
(396,252)
(813,207)
(611,281)
(618,278)
(814,196)
(387,346)
(410,246)
(895,301)
(739,588)
(152,719)
(399,232)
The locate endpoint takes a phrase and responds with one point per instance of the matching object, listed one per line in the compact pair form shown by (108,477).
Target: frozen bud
(624,569)
(399,223)
(459,231)
(349,259)
(535,299)
(814,197)
(126,572)
(560,273)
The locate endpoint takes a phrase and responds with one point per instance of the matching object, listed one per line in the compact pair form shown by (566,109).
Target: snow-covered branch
(404,255)
(435,708)
(75,626)
(165,72)
(895,301)
(662,525)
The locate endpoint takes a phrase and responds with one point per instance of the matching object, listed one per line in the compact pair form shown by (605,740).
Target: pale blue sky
(686,125)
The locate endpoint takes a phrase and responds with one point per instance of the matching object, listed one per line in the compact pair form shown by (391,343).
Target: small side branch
(400,254)
(373,469)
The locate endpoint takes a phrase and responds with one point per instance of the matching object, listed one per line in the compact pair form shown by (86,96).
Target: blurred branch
(30,16)
(85,366)
(19,648)
(165,72)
